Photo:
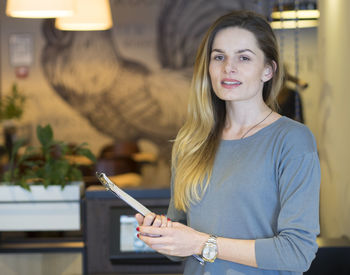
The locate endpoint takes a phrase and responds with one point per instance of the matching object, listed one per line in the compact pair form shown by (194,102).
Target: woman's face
(237,66)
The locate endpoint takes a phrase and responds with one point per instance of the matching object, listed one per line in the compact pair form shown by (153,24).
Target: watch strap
(212,240)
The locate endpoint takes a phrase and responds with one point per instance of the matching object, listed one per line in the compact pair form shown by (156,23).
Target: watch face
(210,251)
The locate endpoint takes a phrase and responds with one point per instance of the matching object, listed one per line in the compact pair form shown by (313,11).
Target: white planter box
(41,209)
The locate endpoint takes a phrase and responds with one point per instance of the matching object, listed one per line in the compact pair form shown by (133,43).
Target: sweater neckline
(259,133)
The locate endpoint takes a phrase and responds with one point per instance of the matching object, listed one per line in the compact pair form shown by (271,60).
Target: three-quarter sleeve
(294,246)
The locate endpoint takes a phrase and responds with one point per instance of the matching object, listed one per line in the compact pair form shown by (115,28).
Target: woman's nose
(230,67)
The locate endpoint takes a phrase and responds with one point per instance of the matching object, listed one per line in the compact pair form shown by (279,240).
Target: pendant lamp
(296,14)
(294,24)
(39,8)
(90,15)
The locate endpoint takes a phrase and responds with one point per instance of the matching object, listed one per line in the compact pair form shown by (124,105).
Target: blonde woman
(245,182)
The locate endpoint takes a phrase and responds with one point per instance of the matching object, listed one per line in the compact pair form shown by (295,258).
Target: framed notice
(21,49)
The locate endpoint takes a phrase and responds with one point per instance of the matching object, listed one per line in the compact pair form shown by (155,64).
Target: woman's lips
(230,83)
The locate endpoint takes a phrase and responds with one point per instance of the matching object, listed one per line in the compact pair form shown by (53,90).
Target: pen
(201,261)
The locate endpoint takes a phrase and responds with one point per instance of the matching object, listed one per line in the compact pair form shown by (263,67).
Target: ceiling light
(299,14)
(39,8)
(90,15)
(294,24)
(291,15)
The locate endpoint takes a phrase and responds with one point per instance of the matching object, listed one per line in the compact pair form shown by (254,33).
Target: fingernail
(137,229)
(138,235)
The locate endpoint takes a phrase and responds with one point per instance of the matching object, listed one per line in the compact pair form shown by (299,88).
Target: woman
(245,180)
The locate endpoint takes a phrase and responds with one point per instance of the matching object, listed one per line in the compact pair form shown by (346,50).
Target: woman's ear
(269,71)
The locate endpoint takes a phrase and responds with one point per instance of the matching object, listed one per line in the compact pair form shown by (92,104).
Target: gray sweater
(263,187)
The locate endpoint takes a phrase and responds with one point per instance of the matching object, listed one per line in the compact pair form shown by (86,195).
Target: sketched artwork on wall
(123,98)
(182,25)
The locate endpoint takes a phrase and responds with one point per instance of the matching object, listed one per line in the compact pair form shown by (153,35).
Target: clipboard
(139,207)
(111,186)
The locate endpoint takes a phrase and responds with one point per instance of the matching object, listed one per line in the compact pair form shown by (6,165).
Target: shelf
(39,246)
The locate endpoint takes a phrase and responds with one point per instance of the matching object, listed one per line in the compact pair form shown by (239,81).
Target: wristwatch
(210,249)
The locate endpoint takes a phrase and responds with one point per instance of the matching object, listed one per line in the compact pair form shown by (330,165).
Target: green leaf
(8,176)
(13,165)
(75,174)
(24,184)
(18,144)
(31,174)
(47,164)
(11,107)
(46,182)
(87,153)
(45,135)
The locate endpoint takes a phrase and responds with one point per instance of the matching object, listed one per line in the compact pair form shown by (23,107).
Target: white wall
(333,117)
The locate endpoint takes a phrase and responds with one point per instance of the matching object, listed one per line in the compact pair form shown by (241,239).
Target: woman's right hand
(153,220)
(148,220)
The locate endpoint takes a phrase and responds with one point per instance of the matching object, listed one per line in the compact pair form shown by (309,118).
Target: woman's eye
(219,57)
(244,58)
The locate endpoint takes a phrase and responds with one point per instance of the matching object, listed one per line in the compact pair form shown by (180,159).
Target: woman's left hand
(177,240)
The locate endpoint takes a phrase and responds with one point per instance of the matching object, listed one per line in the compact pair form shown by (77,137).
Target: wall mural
(121,96)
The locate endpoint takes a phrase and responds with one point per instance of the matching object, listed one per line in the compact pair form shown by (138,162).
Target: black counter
(102,233)
(99,192)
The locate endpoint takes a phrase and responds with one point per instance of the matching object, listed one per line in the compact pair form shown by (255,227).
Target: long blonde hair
(197,141)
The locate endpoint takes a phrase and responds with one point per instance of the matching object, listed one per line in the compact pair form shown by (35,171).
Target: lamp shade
(291,24)
(90,15)
(299,14)
(291,16)
(39,8)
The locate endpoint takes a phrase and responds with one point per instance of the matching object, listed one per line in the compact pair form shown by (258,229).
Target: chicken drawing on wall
(120,95)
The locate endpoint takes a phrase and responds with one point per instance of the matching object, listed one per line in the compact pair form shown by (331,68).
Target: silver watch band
(212,239)
(210,244)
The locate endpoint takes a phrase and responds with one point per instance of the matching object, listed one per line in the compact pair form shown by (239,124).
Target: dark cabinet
(111,246)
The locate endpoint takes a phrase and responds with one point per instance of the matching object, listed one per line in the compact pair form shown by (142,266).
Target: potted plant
(11,106)
(11,109)
(44,181)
